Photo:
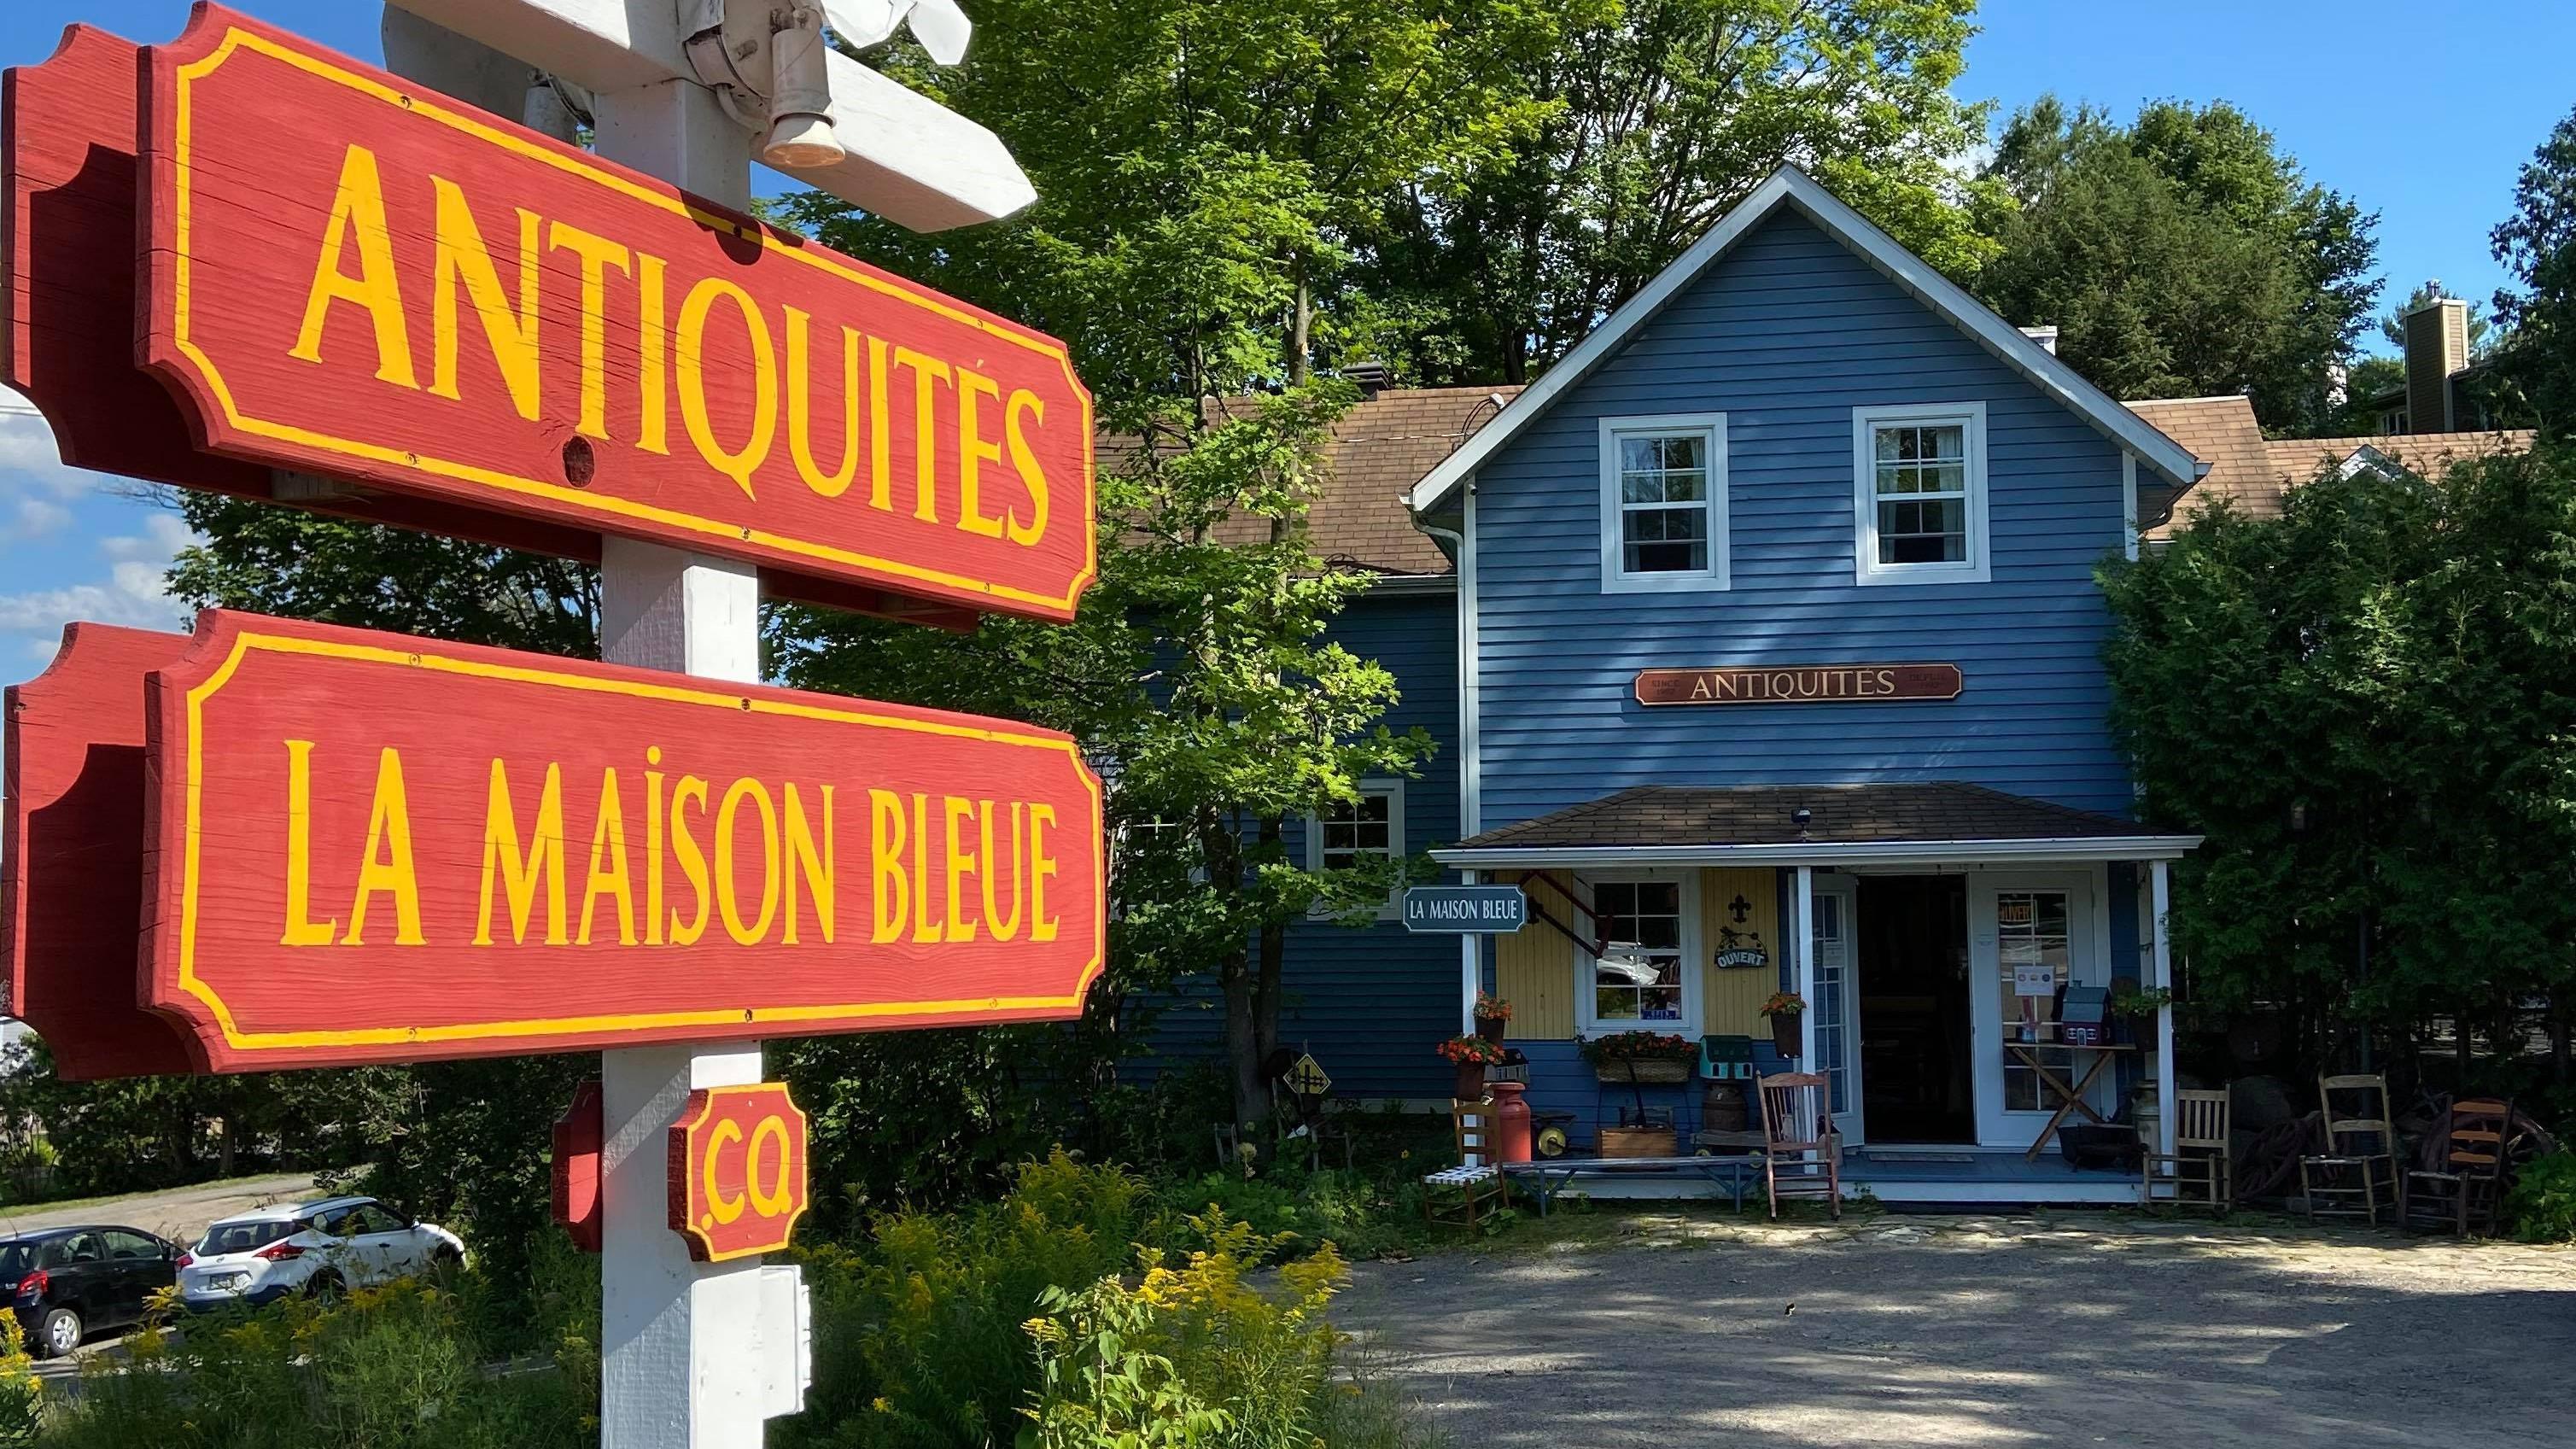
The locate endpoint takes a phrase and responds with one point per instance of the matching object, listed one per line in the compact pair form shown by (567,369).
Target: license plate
(227,1281)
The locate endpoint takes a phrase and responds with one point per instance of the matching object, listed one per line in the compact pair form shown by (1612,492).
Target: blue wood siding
(1786,335)
(1371,1001)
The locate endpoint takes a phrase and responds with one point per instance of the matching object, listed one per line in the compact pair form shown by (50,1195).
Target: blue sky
(2416,114)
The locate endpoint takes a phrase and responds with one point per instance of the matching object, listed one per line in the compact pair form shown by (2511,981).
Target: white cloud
(32,518)
(30,464)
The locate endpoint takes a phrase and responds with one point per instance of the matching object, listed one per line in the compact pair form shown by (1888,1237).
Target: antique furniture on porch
(2467,1192)
(1546,1177)
(2070,1099)
(2199,1170)
(1474,1188)
(2346,1180)
(1799,1136)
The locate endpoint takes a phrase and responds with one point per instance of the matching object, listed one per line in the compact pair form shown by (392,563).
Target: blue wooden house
(1763,643)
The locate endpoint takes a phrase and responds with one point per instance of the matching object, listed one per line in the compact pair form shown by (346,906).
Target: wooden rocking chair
(1798,1135)
(1474,1189)
(2199,1170)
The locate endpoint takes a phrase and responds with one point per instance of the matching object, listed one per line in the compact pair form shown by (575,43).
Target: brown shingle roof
(1902,812)
(1380,448)
(2256,475)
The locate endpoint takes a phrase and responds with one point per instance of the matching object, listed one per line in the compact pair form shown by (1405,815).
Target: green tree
(2183,253)
(2362,705)
(1202,168)
(2392,323)
(1645,121)
(2537,244)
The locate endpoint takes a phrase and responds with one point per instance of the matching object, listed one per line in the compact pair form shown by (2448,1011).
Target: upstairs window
(1921,490)
(1663,502)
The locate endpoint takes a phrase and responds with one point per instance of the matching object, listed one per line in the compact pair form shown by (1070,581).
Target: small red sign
(737,1171)
(365,847)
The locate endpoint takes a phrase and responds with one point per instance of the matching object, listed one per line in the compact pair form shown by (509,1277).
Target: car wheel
(58,1334)
(326,1289)
(446,1263)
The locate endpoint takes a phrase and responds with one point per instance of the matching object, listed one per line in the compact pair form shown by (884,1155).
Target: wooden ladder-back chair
(2200,1170)
(2360,1161)
(2467,1192)
(1474,1189)
(1802,1154)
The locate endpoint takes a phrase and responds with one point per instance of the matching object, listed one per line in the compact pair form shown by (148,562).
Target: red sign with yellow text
(352,276)
(737,1182)
(365,847)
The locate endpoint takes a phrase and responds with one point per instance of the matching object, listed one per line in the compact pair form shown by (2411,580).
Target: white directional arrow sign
(905,157)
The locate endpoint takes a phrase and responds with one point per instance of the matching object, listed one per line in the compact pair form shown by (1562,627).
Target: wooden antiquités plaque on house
(1798,684)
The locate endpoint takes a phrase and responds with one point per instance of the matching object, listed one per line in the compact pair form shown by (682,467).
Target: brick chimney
(2437,349)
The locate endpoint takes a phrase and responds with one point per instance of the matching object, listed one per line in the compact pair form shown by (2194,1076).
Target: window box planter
(1632,1071)
(1640,1142)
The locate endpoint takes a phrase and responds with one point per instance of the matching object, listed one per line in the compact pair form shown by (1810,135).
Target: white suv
(318,1248)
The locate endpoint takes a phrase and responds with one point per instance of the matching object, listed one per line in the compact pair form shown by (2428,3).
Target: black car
(65,1283)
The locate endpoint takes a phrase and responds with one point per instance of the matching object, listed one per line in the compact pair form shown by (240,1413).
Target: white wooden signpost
(694,1355)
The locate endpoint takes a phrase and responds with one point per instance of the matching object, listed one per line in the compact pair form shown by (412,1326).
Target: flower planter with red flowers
(1472,1054)
(1784,1008)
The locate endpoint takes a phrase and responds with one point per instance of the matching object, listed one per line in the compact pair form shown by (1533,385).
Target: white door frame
(2088,964)
(1846,892)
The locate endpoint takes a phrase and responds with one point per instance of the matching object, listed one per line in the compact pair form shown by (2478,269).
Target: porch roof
(1894,822)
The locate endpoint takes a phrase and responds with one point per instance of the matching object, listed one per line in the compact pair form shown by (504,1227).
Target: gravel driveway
(2064,1329)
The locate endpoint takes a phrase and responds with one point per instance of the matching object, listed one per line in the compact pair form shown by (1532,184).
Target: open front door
(1837,1003)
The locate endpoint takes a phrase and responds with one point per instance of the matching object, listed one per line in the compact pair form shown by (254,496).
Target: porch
(1952,949)
(1899,1176)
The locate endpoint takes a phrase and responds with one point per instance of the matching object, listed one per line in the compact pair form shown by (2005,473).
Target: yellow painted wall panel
(1731,1001)
(1534,971)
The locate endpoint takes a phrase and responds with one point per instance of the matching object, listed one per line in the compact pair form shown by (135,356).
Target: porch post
(2161,874)
(1471,972)
(1802,941)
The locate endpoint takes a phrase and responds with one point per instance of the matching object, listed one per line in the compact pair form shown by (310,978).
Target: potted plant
(1784,1008)
(1492,1013)
(2134,1008)
(1471,1055)
(1636,1058)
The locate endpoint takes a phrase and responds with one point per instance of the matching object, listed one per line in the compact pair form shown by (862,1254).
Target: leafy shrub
(917,1328)
(1192,1355)
(390,1368)
(21,1396)
(1361,1214)
(2542,1206)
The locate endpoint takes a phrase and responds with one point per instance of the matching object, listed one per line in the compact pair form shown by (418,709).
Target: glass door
(1837,1004)
(2031,937)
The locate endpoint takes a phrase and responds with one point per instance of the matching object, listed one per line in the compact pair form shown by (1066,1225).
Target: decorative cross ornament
(1740,908)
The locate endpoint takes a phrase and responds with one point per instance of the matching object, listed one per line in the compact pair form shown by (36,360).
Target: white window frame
(1393,790)
(1615,579)
(1866,421)
(1587,1022)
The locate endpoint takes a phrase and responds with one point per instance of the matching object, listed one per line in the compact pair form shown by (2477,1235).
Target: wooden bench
(1548,1177)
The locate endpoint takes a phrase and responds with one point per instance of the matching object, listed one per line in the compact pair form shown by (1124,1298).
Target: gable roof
(1793,188)
(1379,448)
(2255,474)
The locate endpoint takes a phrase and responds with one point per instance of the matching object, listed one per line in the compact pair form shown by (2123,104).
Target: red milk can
(1511,1120)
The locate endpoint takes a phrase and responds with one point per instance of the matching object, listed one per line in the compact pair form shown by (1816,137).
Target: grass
(68,1204)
